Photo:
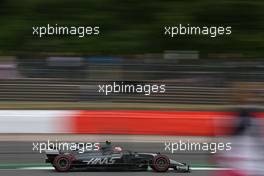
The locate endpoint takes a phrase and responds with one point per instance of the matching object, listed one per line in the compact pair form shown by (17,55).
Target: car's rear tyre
(62,163)
(160,163)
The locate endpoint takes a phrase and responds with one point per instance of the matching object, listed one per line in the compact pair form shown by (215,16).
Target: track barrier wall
(139,122)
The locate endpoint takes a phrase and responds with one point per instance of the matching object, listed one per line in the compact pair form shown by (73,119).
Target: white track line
(209,169)
(35,168)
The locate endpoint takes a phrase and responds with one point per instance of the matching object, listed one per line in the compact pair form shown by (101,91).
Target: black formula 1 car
(112,158)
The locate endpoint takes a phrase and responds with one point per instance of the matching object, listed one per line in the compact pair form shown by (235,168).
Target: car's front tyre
(160,163)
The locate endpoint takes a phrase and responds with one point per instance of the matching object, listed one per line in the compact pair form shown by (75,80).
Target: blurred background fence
(84,90)
(76,79)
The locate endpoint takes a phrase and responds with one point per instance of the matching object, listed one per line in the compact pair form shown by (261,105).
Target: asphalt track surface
(20,153)
(52,173)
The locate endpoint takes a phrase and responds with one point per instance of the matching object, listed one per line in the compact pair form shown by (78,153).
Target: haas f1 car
(112,158)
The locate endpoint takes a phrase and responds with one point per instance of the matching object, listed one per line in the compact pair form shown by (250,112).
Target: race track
(52,173)
(17,158)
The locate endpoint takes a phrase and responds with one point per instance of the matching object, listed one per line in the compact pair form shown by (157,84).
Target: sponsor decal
(101,161)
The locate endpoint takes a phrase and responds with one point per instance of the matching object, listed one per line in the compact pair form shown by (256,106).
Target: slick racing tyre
(62,163)
(160,163)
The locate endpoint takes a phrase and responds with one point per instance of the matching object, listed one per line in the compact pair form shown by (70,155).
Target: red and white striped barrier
(115,122)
